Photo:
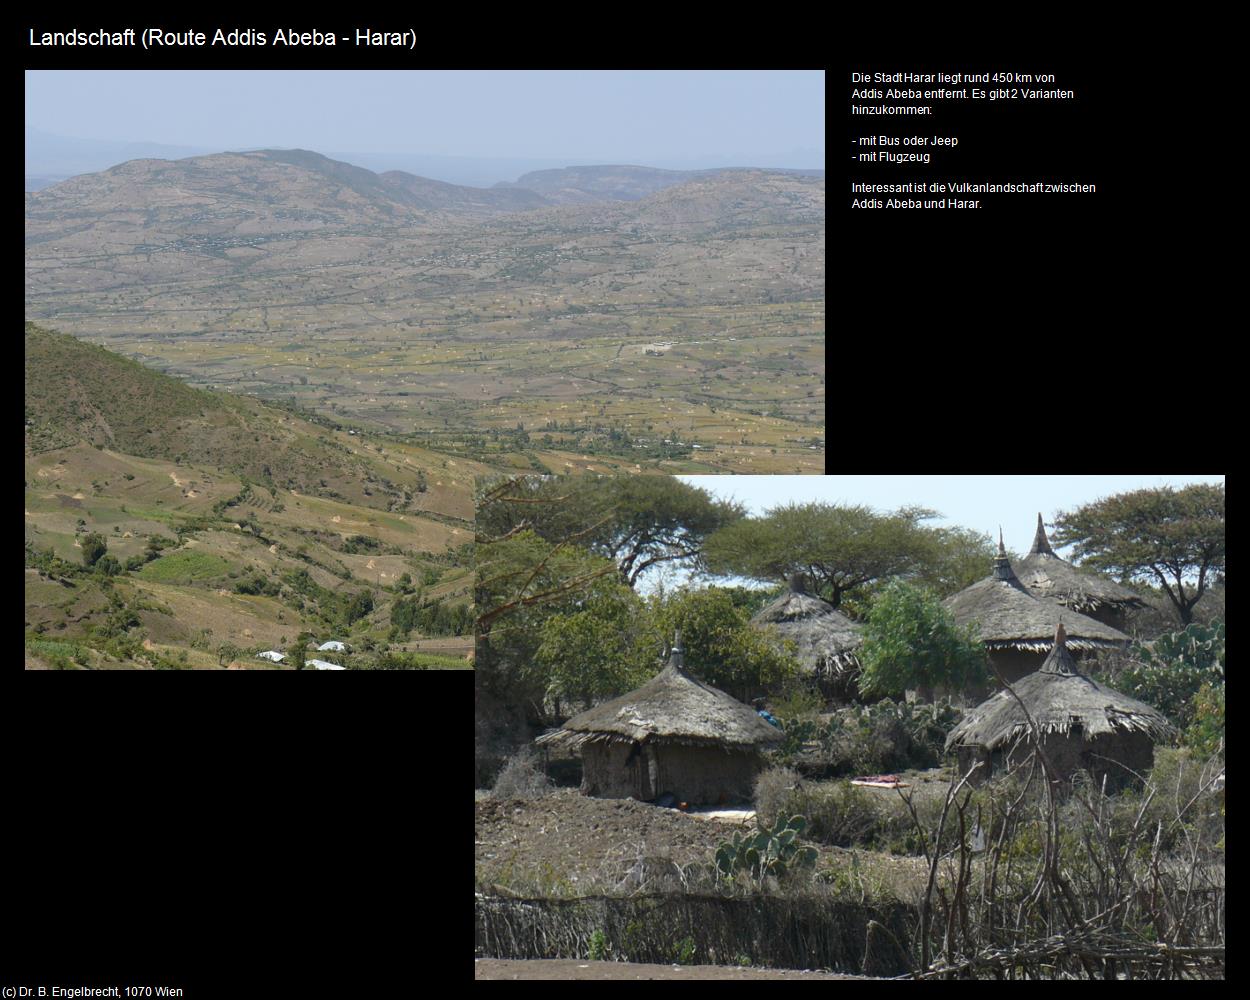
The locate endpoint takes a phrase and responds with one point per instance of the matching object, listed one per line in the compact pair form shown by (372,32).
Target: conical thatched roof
(1045,575)
(825,638)
(1009,617)
(1058,696)
(672,707)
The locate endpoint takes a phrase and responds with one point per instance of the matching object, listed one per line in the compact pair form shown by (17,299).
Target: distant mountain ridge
(276,190)
(584,185)
(221,204)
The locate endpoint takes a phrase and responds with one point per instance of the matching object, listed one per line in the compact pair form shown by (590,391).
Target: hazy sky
(605,115)
(981,503)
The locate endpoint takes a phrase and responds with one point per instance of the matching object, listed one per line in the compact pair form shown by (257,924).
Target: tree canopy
(838,548)
(1172,537)
(636,521)
(613,641)
(656,519)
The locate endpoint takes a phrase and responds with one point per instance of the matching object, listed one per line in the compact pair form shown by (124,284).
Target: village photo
(925,727)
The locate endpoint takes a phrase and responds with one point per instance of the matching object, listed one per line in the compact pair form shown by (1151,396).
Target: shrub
(1206,733)
(837,812)
(521,778)
(798,700)
(1180,776)
(774,790)
(911,640)
(93,549)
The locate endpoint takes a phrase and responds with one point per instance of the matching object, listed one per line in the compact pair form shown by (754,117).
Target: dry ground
(566,843)
(559,968)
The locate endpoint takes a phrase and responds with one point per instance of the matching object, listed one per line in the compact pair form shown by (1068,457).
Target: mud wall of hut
(619,770)
(1113,755)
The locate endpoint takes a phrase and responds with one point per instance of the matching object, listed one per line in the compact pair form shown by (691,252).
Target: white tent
(323,665)
(333,645)
(271,654)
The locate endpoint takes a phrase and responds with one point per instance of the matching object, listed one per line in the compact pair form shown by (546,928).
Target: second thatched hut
(675,735)
(1043,574)
(826,641)
(1016,628)
(1082,725)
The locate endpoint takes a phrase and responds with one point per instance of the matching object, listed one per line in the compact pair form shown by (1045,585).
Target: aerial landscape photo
(278,324)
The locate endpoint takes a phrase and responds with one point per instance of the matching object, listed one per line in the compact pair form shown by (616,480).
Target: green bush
(870,739)
(912,641)
(93,548)
(1206,733)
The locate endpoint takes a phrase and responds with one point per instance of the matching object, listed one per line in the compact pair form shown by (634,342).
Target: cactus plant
(769,851)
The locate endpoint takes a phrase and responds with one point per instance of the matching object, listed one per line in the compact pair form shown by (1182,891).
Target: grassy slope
(85,406)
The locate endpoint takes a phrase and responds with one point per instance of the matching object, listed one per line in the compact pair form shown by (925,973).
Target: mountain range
(50,158)
(692,301)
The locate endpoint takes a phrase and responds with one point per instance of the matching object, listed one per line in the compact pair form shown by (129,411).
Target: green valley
(170,527)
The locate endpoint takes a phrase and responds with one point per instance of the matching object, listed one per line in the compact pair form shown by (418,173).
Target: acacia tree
(656,519)
(838,548)
(636,521)
(1173,537)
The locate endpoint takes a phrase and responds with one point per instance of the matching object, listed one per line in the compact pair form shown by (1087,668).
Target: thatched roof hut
(1043,574)
(1016,627)
(1082,723)
(827,641)
(674,734)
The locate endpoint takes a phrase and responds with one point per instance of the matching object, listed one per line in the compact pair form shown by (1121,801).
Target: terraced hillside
(172,527)
(682,330)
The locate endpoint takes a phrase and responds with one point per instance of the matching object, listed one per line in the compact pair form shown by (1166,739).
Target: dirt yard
(582,840)
(565,843)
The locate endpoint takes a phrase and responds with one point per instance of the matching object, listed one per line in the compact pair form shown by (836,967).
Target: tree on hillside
(357,606)
(1172,537)
(838,548)
(93,548)
(912,641)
